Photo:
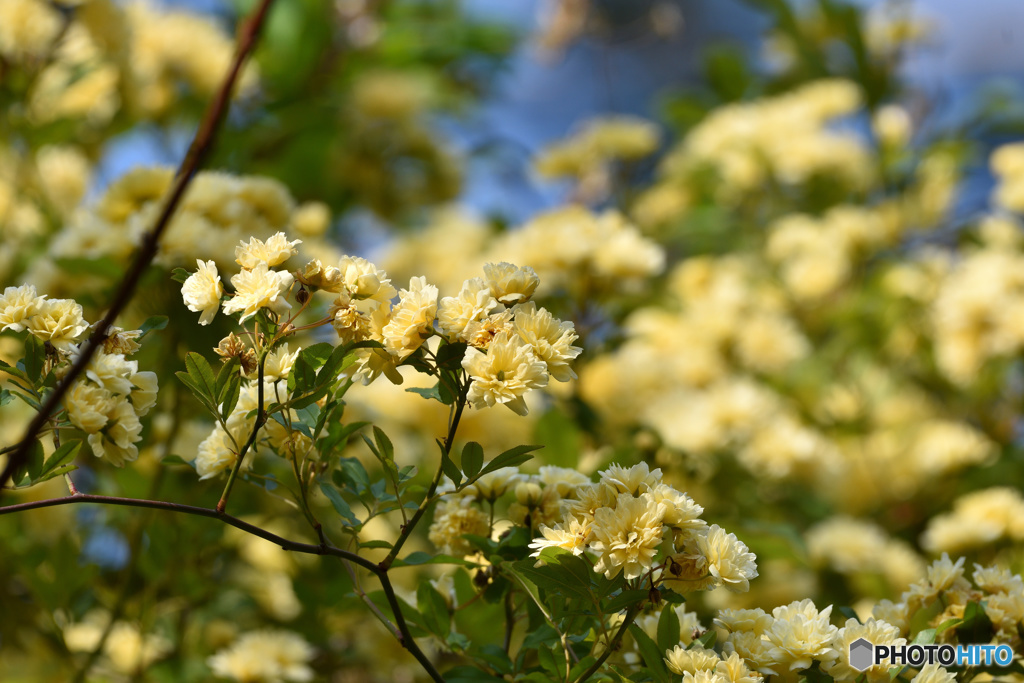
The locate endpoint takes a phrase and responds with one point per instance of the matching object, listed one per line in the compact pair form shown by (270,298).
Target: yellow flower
(511,284)
(275,251)
(267,656)
(17,304)
(202,291)
(550,338)
(58,321)
(502,375)
(473,303)
(259,288)
(412,320)
(627,536)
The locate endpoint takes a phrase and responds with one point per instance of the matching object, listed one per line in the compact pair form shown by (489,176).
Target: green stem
(453,427)
(261,418)
(614,645)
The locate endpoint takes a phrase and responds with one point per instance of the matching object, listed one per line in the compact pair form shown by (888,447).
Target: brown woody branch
(198,151)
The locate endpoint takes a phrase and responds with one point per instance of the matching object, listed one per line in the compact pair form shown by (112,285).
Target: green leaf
(431,392)
(561,437)
(552,577)
(472,458)
(387,449)
(511,458)
(849,613)
(706,640)
(450,469)
(180,275)
(352,475)
(16,372)
(434,609)
(337,436)
(419,557)
(302,378)
(333,365)
(376,544)
(668,629)
(625,600)
(153,323)
(449,356)
(653,656)
(35,357)
(5,397)
(317,354)
(33,467)
(175,460)
(62,456)
(976,627)
(202,375)
(341,506)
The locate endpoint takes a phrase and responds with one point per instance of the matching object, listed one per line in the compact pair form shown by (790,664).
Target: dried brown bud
(654,595)
(302,296)
(230,347)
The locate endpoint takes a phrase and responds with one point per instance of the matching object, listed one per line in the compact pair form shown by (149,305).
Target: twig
(407,641)
(197,154)
(630,616)
(285,543)
(261,419)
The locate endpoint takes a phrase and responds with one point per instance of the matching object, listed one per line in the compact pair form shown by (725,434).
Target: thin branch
(407,641)
(630,616)
(285,543)
(261,419)
(453,427)
(197,154)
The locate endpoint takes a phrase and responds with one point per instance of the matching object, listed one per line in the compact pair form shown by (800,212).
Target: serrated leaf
(152,324)
(340,505)
(472,458)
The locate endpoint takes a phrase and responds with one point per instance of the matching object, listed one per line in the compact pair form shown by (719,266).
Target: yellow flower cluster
(978,519)
(852,546)
(126,649)
(625,518)
(217,212)
(268,656)
(786,138)
(589,154)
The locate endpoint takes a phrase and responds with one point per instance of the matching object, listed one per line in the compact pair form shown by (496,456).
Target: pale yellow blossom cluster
(943,593)
(793,638)
(853,546)
(976,313)
(588,156)
(571,245)
(107,402)
(267,656)
(220,450)
(787,139)
(105,58)
(626,517)
(127,649)
(217,212)
(978,519)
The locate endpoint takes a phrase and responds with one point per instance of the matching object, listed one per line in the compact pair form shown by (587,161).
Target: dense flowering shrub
(750,395)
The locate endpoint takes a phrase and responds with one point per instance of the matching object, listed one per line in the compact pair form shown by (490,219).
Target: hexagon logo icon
(861,654)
